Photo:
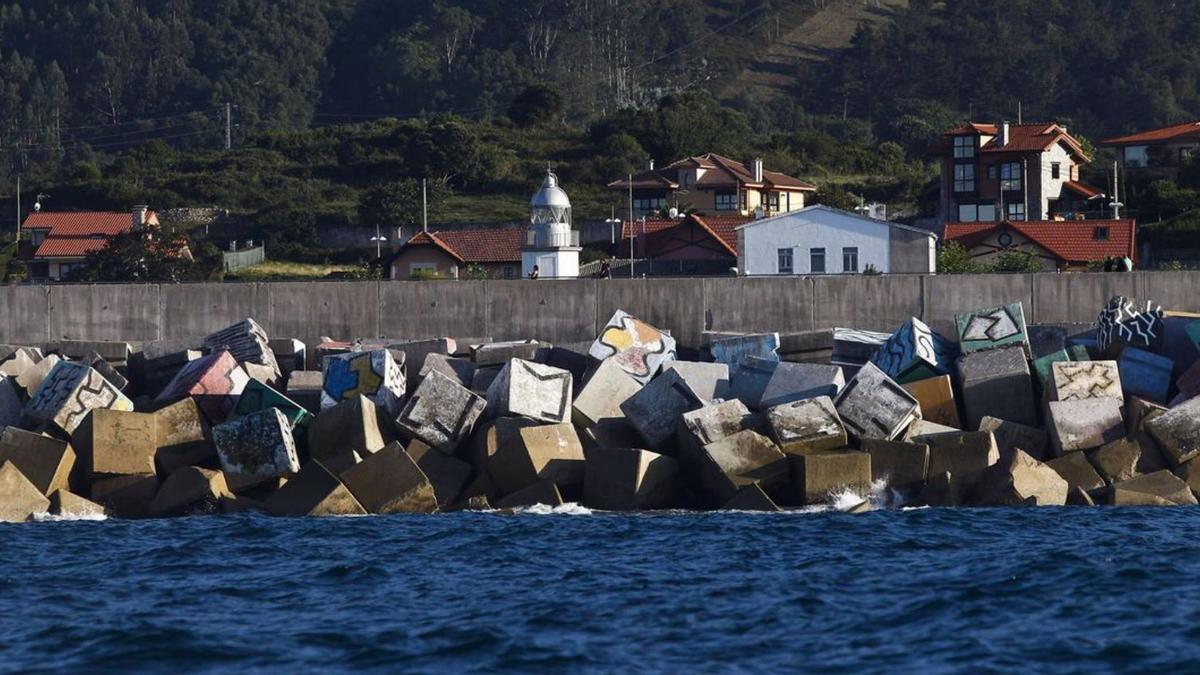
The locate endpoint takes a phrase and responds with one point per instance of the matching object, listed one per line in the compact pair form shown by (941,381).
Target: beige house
(494,251)
(714,185)
(1165,147)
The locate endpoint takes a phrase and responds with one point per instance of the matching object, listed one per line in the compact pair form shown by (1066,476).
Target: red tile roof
(1036,137)
(486,245)
(1072,241)
(69,247)
(722,229)
(721,172)
(1188,131)
(1083,189)
(83,223)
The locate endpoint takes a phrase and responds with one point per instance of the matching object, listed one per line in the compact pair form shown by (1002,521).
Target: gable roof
(830,209)
(719,172)
(721,229)
(1187,131)
(1033,137)
(484,245)
(69,247)
(83,223)
(1070,240)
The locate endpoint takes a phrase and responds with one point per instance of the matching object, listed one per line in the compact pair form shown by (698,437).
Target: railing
(238,260)
(535,239)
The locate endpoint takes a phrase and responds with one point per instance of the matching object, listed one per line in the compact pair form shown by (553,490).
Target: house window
(816,260)
(968,213)
(1055,170)
(649,203)
(417,268)
(773,202)
(1016,211)
(1010,176)
(964,177)
(39,270)
(964,147)
(37,237)
(850,259)
(992,172)
(726,201)
(1100,234)
(509,272)
(1137,155)
(987,213)
(65,270)
(785,260)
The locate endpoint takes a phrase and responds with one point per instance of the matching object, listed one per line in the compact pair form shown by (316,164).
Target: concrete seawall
(562,311)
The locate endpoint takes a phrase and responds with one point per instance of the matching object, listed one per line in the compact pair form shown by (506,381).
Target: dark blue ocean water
(1063,590)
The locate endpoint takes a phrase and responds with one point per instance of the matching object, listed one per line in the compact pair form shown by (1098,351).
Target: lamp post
(378,239)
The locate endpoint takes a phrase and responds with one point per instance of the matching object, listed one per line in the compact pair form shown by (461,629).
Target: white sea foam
(55,518)
(568,509)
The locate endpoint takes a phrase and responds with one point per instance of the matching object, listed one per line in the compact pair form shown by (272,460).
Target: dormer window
(1100,234)
(964,147)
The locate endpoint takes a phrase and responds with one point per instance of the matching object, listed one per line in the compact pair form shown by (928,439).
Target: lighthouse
(550,244)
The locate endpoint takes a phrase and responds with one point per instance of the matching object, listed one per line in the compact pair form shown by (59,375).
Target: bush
(954,259)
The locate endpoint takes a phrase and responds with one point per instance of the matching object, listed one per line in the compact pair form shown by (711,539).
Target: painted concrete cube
(532,390)
(259,396)
(1125,322)
(1145,374)
(247,341)
(915,352)
(215,381)
(373,374)
(259,444)
(1073,380)
(731,350)
(991,328)
(641,349)
(873,406)
(69,392)
(441,412)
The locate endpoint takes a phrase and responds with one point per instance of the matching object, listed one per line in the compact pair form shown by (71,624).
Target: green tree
(144,257)
(1016,261)
(955,259)
(399,203)
(537,104)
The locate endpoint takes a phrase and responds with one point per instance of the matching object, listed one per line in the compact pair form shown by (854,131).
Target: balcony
(539,238)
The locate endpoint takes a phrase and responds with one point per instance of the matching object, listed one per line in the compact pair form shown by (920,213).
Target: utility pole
(228,126)
(18,209)
(424,208)
(632,234)
(1020,116)
(1116,202)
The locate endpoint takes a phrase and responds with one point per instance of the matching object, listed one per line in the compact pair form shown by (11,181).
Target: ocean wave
(568,509)
(62,517)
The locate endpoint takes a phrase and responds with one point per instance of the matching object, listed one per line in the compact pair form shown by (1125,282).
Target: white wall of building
(552,264)
(814,228)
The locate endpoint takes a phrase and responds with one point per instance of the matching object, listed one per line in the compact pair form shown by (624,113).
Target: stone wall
(562,311)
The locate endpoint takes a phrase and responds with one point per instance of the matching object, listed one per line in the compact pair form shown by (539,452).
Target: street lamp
(378,239)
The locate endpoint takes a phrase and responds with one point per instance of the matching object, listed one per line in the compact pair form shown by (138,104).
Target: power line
(116,124)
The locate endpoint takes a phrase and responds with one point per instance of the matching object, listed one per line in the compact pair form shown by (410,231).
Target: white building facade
(551,246)
(824,240)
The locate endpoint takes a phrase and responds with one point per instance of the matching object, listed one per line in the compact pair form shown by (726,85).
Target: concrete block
(11,408)
(621,479)
(247,341)
(47,462)
(1178,432)
(601,397)
(259,396)
(610,433)
(639,348)
(715,421)
(526,454)
(1076,496)
(1045,340)
(258,486)
(215,381)
(543,492)
(499,353)
(16,365)
(921,428)
(873,406)
(902,466)
(1042,365)
(68,504)
(19,498)
(1125,322)
(315,491)
(1145,374)
(915,352)
(935,396)
(1011,436)
(730,350)
(1138,411)
(819,476)
(373,374)
(389,481)
(259,444)
(416,353)
(70,392)
(992,328)
(654,411)
(304,387)
(708,381)
(106,370)
(739,460)
(290,354)
(1189,382)
(965,455)
(1071,381)
(453,367)
(804,427)
(30,378)
(1020,480)
(122,443)
(996,383)
(1161,488)
(350,427)
(855,347)
(1075,468)
(152,375)
(533,390)
(125,496)
(1084,424)
(189,490)
(751,498)
(183,438)
(800,381)
(1127,458)
(749,381)
(483,378)
(441,412)
(448,475)
(941,490)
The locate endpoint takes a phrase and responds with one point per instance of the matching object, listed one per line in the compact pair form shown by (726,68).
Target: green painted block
(991,328)
(257,396)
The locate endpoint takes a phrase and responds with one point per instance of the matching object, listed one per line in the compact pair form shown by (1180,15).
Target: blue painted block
(915,352)
(731,350)
(1145,374)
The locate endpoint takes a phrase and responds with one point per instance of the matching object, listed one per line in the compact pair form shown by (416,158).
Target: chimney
(650,164)
(757,169)
(1003,134)
(139,217)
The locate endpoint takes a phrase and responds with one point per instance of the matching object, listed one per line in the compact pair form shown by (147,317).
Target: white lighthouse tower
(550,245)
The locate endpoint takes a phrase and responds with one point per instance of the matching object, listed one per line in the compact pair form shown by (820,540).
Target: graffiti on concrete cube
(1126,322)
(915,352)
(72,390)
(373,374)
(639,348)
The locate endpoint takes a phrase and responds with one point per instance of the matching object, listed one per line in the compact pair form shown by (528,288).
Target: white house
(824,240)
